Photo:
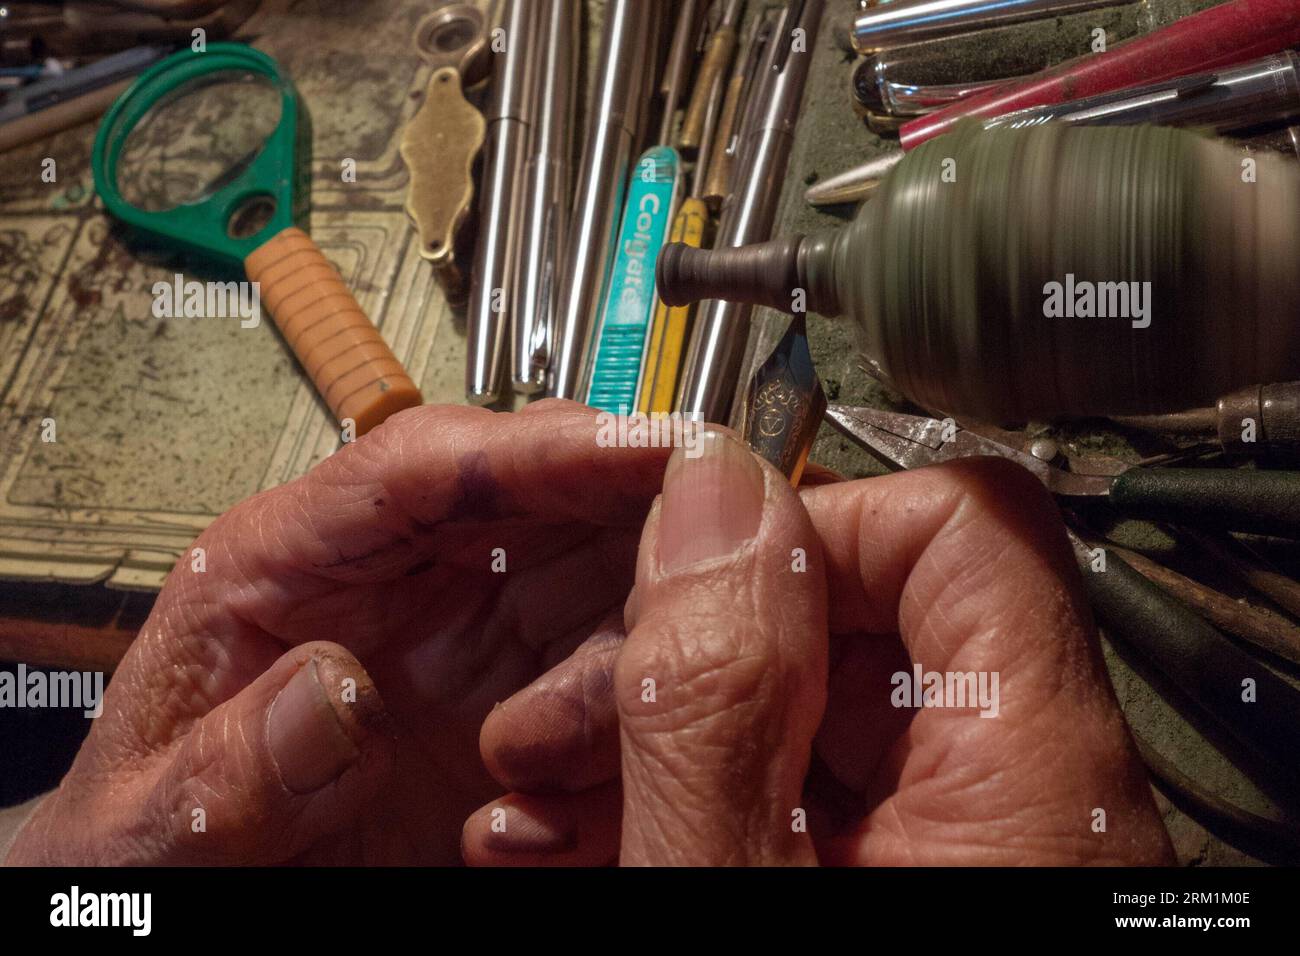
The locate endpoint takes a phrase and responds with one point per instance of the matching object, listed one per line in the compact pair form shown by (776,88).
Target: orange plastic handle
(352,367)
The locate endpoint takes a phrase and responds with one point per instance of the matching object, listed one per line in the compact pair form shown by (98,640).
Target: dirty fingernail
(308,743)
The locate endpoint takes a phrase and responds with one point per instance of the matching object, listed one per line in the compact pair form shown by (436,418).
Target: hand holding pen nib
(569,648)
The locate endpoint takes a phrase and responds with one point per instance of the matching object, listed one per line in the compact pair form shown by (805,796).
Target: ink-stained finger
(578,829)
(560,733)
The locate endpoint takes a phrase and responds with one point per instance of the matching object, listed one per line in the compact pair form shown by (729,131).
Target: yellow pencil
(671,326)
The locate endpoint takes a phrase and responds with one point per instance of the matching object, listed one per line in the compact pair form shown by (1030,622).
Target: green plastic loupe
(260,191)
(201,155)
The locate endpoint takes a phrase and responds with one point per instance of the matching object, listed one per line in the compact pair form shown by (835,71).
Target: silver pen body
(619,82)
(1257,93)
(548,179)
(504,151)
(717,348)
(911,21)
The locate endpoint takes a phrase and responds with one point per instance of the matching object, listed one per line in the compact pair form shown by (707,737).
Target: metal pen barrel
(717,348)
(504,156)
(1219,36)
(727,129)
(547,181)
(911,21)
(618,84)
(1263,91)
(677,69)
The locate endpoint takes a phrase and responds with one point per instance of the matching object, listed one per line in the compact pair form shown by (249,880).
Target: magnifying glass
(200,154)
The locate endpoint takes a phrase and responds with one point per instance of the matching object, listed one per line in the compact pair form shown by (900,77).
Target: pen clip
(789,23)
(764,32)
(709,23)
(1194,85)
(541,337)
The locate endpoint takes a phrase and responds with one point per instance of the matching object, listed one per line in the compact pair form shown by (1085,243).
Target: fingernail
(712,503)
(308,742)
(527,834)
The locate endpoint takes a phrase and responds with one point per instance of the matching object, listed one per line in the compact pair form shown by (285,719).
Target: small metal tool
(442,140)
(909,21)
(1194,656)
(677,70)
(902,101)
(547,193)
(1257,420)
(1255,94)
(914,79)
(1262,92)
(1218,37)
(509,118)
(1263,502)
(853,185)
(69,84)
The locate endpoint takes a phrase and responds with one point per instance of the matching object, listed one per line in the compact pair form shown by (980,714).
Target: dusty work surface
(163,424)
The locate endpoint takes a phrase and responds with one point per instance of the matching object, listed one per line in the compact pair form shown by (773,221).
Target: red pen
(1232,33)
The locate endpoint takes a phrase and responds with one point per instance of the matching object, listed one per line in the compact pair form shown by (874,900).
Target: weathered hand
(316,693)
(962,569)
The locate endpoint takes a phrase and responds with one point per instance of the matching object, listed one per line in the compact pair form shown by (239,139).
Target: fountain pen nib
(784,403)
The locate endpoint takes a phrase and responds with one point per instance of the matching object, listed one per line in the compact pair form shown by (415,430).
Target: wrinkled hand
(316,693)
(758,723)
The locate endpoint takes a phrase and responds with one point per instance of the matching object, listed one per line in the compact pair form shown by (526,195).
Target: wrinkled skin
(962,567)
(385,552)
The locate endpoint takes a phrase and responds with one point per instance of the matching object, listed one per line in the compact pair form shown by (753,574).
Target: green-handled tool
(201,154)
(201,222)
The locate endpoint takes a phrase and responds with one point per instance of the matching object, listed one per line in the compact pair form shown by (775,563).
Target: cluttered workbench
(123,439)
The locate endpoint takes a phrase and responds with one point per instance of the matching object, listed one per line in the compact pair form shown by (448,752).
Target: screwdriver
(1257,420)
